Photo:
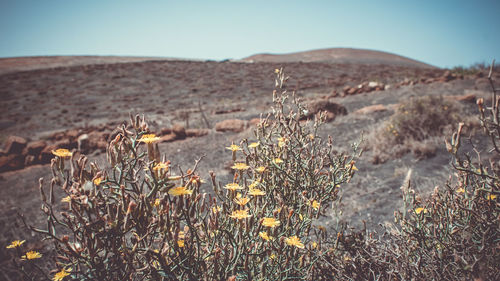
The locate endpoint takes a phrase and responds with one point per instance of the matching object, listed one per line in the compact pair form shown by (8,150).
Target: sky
(444,33)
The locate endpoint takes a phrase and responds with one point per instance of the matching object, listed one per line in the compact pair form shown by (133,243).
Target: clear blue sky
(444,33)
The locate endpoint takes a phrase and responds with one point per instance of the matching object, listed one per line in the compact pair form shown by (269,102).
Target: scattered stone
(168,138)
(254,122)
(332,109)
(15,145)
(11,162)
(371,109)
(230,125)
(179,131)
(165,131)
(46,154)
(35,148)
(196,133)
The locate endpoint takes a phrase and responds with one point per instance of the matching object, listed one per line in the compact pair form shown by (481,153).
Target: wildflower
(270,222)
(149,138)
(15,244)
(157,202)
(240,214)
(315,204)
(180,243)
(62,152)
(265,236)
(254,184)
(233,186)
(311,136)
(256,192)
(97,181)
(281,141)
(272,256)
(242,201)
(420,210)
(31,255)
(59,276)
(491,197)
(254,144)
(162,166)
(260,169)
(277,161)
(276,71)
(216,209)
(460,190)
(294,241)
(180,190)
(240,166)
(66,199)
(314,245)
(233,147)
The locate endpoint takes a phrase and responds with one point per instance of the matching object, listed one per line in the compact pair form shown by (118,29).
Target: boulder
(371,109)
(46,154)
(195,133)
(168,138)
(230,125)
(15,145)
(179,131)
(332,109)
(35,147)
(11,162)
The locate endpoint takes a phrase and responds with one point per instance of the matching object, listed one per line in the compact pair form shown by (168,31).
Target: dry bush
(417,126)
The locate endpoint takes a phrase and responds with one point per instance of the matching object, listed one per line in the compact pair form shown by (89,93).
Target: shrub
(416,126)
(138,220)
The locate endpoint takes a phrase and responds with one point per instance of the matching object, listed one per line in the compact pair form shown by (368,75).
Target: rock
(30,160)
(447,76)
(254,122)
(196,133)
(352,91)
(332,109)
(46,154)
(371,109)
(64,143)
(72,134)
(165,131)
(346,89)
(464,98)
(11,162)
(168,138)
(15,145)
(179,131)
(35,148)
(83,143)
(230,125)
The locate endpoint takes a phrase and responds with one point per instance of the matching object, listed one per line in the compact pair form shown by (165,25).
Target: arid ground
(52,102)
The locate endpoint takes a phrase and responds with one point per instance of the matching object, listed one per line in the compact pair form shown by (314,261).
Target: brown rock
(346,89)
(15,145)
(230,125)
(196,133)
(165,131)
(332,109)
(352,91)
(46,154)
(371,109)
(254,122)
(30,160)
(34,148)
(464,98)
(72,134)
(11,162)
(179,131)
(168,138)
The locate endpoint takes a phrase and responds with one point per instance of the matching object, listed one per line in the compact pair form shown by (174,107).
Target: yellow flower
(314,245)
(240,166)
(276,71)
(180,243)
(281,141)
(149,138)
(61,274)
(180,190)
(260,169)
(97,181)
(233,147)
(62,152)
(256,192)
(161,166)
(265,236)
(15,244)
(254,144)
(254,184)
(216,209)
(311,136)
(240,214)
(294,241)
(272,256)
(233,186)
(157,202)
(66,199)
(31,255)
(270,222)
(242,201)
(277,161)
(314,204)
(491,197)
(460,190)
(420,210)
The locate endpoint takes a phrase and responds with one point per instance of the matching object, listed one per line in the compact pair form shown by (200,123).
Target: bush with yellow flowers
(138,220)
